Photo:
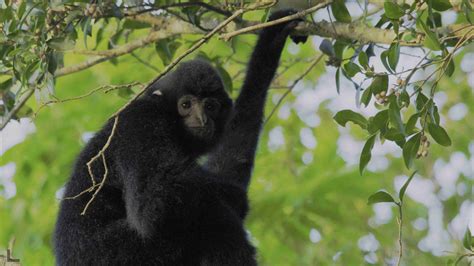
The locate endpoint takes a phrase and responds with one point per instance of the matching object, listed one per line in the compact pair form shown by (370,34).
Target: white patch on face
(158,92)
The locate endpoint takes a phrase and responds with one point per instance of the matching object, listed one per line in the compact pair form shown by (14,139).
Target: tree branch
(170,27)
(181,4)
(364,34)
(300,14)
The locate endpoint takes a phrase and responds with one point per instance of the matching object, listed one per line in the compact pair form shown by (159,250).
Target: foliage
(121,43)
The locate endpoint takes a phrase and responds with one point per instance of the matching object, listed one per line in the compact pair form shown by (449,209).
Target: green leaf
(6,14)
(366,96)
(8,99)
(5,50)
(401,194)
(392,10)
(379,122)
(404,99)
(73,15)
(98,37)
(116,12)
(351,69)
(125,93)
(338,77)
(226,79)
(6,84)
(24,111)
(450,262)
(379,84)
(113,41)
(384,59)
(370,50)
(467,8)
(431,40)
(410,149)
(393,55)
(439,134)
(166,49)
(193,14)
(366,154)
(394,135)
(420,101)
(450,68)
(86,29)
(21,9)
(340,12)
(71,32)
(31,67)
(265,16)
(344,116)
(363,59)
(440,5)
(395,117)
(53,62)
(161,47)
(61,44)
(434,21)
(132,24)
(433,110)
(409,36)
(467,241)
(380,196)
(339,47)
(410,126)
(327,48)
(203,56)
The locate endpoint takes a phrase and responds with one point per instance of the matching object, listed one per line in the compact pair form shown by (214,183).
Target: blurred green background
(308,200)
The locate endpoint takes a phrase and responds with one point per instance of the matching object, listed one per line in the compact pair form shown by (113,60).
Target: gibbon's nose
(200,115)
(202,118)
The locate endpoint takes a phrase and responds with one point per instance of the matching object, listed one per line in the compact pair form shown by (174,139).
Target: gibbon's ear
(157,92)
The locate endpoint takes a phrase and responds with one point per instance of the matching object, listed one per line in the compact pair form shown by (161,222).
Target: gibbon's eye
(186,104)
(210,106)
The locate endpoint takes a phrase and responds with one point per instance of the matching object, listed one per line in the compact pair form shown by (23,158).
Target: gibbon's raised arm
(234,158)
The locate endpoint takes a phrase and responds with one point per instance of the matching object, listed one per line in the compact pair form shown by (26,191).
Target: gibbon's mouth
(202,132)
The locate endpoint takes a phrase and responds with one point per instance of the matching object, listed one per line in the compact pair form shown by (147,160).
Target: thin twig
(183,4)
(101,153)
(101,184)
(88,190)
(144,62)
(106,88)
(292,86)
(400,227)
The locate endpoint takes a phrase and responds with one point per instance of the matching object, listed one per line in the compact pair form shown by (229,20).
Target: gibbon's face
(199,115)
(195,93)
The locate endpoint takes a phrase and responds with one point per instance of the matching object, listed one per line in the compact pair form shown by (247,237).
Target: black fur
(158,206)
